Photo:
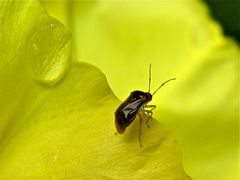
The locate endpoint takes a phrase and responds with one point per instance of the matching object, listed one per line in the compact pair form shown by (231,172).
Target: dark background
(227,13)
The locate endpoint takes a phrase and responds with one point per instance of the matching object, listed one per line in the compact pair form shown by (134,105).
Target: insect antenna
(163,84)
(149,77)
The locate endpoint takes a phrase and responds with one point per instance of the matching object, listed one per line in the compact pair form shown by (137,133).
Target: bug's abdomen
(122,120)
(126,113)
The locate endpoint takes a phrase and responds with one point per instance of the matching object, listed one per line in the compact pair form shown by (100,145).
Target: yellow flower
(57,113)
(181,40)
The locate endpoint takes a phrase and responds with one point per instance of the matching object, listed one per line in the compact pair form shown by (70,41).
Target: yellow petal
(181,40)
(57,117)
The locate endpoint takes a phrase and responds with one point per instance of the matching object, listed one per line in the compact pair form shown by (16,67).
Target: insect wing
(131,109)
(126,113)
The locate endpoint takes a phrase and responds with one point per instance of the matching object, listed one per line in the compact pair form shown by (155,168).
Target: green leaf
(57,116)
(180,40)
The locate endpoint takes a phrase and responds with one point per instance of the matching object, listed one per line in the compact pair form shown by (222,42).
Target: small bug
(136,104)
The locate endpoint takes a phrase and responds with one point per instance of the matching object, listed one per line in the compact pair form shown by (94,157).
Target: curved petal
(180,40)
(57,116)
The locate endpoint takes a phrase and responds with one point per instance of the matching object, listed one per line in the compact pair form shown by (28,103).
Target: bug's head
(148,96)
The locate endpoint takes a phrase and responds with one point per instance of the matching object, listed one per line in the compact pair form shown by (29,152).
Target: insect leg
(140,129)
(148,113)
(152,107)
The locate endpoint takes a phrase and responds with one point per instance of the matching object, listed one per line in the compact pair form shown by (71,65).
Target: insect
(136,105)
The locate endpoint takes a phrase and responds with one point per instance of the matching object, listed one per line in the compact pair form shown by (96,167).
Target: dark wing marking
(126,113)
